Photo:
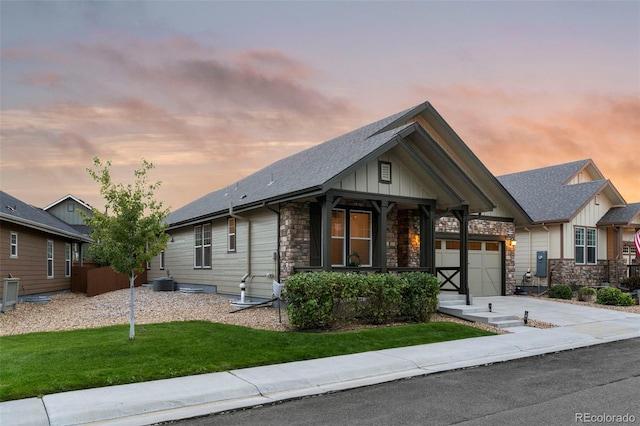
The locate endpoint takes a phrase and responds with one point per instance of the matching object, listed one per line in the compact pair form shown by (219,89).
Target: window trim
(231,236)
(162,260)
(200,246)
(346,238)
(369,239)
(50,257)
(588,252)
(67,260)
(13,245)
(342,237)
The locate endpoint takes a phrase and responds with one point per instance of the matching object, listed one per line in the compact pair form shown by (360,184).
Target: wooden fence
(94,280)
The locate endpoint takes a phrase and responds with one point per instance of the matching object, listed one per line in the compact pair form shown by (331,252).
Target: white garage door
(485,265)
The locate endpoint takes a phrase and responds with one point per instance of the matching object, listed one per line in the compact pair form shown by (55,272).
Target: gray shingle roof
(542,193)
(15,210)
(301,172)
(620,215)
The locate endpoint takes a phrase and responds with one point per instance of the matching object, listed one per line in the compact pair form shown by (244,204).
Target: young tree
(130,231)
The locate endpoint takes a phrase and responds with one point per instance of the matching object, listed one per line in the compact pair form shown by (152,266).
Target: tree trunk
(132,330)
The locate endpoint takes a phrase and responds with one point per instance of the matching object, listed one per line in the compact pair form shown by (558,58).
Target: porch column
(382,235)
(328,202)
(462,214)
(428,237)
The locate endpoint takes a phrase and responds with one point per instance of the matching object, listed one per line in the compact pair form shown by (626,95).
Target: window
(337,237)
(13,245)
(586,246)
(591,246)
(358,246)
(360,237)
(491,246)
(162,259)
(579,245)
(49,259)
(202,246)
(67,260)
(231,234)
(71,207)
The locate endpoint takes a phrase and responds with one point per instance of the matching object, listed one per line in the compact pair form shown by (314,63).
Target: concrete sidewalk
(184,397)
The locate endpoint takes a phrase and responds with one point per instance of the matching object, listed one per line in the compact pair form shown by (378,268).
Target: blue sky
(212,91)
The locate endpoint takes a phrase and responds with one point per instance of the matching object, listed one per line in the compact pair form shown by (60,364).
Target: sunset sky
(212,91)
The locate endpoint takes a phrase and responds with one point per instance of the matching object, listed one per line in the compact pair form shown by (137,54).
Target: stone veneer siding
(295,237)
(565,271)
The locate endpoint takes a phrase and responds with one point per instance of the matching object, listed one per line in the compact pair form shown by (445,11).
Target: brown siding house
(35,247)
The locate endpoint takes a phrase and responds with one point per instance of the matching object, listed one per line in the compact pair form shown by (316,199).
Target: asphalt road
(593,385)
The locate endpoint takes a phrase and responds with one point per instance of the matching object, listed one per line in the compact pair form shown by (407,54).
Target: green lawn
(43,363)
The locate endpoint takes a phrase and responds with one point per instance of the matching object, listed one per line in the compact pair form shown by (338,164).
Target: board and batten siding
(588,217)
(31,263)
(530,242)
(227,268)
(61,211)
(404,180)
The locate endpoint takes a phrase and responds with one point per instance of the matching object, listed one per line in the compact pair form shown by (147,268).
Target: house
(390,196)
(36,247)
(70,210)
(582,228)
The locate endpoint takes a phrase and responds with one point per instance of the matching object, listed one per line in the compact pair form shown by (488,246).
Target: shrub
(310,300)
(382,298)
(613,296)
(561,291)
(320,300)
(585,294)
(632,283)
(419,296)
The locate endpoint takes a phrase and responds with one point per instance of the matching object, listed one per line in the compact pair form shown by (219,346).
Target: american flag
(637,241)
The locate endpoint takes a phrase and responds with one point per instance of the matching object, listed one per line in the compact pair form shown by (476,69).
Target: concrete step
(456,310)
(513,323)
(478,314)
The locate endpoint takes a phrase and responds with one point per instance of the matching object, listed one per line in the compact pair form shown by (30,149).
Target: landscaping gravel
(69,311)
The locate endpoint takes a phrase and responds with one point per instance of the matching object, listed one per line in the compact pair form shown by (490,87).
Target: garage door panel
(485,265)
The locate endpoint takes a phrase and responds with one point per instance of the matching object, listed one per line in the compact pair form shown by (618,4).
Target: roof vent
(13,209)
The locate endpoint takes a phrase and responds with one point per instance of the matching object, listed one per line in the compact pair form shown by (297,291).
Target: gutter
(43,227)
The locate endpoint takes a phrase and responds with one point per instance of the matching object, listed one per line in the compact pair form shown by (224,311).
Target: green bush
(323,299)
(632,283)
(419,296)
(382,298)
(561,291)
(585,294)
(310,300)
(613,296)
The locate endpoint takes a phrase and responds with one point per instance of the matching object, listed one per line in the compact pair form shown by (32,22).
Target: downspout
(248,273)
(277,259)
(548,278)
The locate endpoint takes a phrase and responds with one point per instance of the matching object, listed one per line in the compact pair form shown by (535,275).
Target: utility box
(10,294)
(541,264)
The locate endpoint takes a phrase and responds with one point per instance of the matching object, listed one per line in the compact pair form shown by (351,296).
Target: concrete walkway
(172,399)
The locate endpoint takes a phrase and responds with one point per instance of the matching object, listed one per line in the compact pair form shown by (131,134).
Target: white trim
(12,245)
(66,197)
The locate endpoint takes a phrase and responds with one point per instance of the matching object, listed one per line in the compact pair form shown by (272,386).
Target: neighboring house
(68,209)
(35,247)
(387,197)
(581,225)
